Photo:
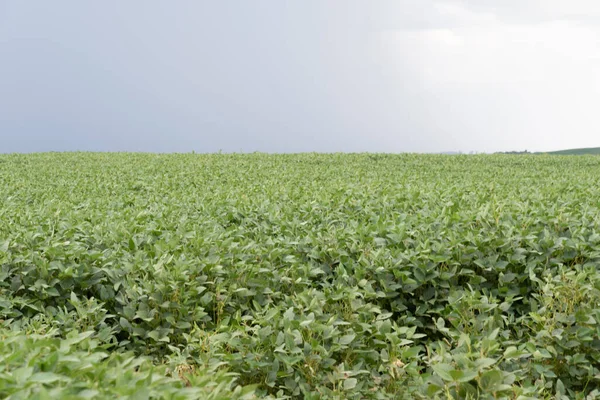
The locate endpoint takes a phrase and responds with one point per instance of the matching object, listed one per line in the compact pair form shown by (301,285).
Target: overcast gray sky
(303,75)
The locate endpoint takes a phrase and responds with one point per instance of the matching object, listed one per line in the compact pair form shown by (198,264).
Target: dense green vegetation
(299,276)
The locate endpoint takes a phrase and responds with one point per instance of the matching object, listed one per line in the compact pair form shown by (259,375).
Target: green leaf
(463,375)
(482,363)
(74,299)
(490,380)
(45,377)
(22,374)
(125,324)
(512,352)
(88,394)
(350,383)
(347,339)
(560,388)
(444,371)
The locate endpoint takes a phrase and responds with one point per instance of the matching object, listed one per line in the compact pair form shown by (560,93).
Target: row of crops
(356,276)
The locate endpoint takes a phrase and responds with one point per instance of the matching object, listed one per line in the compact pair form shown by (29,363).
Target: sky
(299,76)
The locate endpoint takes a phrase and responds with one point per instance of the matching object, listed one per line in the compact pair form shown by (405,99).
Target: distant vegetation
(587,150)
(514,152)
(583,151)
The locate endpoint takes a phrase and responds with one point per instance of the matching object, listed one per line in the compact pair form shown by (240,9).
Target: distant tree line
(513,152)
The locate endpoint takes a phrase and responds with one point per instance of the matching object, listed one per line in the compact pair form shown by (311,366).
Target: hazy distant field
(311,276)
(583,151)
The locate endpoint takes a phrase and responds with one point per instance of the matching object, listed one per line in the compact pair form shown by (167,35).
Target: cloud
(395,75)
(502,80)
(501,53)
(533,11)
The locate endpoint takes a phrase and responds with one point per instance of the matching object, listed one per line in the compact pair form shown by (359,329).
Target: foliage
(299,276)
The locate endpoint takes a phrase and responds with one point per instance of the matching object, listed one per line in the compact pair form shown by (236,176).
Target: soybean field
(299,276)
